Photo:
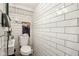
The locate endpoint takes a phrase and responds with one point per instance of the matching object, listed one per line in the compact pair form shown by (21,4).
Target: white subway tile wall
(18,16)
(56,29)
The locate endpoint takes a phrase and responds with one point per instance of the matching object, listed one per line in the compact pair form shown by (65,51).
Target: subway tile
(67,50)
(73,22)
(72,30)
(51,25)
(51,34)
(70,8)
(67,9)
(69,37)
(61,5)
(49,42)
(67,4)
(72,45)
(58,41)
(59,18)
(58,30)
(72,15)
(58,52)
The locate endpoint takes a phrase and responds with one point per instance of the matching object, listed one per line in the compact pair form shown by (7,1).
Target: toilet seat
(26,50)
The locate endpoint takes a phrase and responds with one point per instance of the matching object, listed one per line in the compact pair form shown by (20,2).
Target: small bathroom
(16,30)
(39,29)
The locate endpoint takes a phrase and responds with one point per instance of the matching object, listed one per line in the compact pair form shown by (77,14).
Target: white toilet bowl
(25,50)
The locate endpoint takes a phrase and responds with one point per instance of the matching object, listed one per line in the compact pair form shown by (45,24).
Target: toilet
(25,49)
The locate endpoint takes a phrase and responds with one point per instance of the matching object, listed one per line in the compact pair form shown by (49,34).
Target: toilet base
(12,55)
(26,54)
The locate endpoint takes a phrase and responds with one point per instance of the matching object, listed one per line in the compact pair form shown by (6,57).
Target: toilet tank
(24,39)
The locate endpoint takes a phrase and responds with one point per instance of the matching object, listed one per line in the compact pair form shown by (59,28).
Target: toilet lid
(25,49)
